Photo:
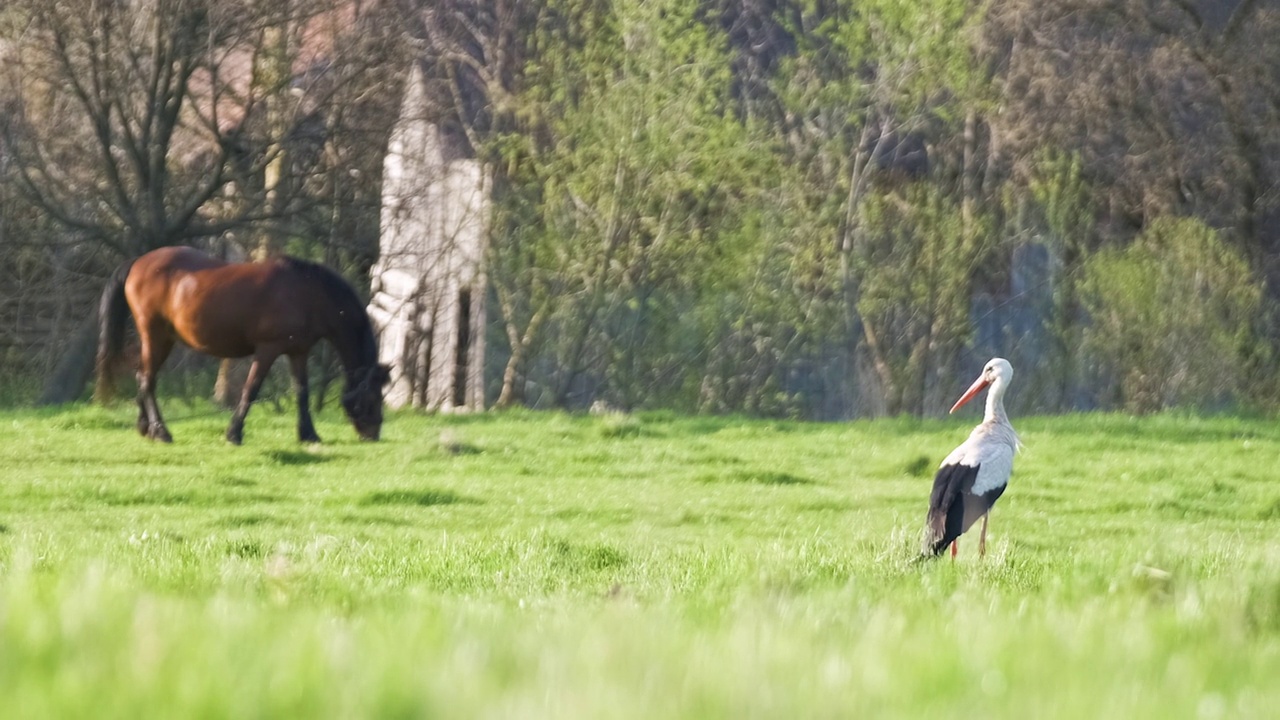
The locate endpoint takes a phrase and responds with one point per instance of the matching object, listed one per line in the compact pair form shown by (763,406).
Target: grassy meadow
(553,566)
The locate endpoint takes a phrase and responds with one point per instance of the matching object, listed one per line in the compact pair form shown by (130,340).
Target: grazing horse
(230,310)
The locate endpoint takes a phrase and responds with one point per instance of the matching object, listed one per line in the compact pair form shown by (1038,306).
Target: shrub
(1171,316)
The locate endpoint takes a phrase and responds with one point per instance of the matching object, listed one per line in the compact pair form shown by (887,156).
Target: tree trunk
(889,388)
(273,75)
(512,384)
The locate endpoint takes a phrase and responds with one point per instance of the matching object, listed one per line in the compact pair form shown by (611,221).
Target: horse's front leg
(306,430)
(252,384)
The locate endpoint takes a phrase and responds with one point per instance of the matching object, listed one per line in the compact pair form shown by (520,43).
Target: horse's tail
(113,312)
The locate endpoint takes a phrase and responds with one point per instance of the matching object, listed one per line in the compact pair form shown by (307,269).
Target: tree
(1063,220)
(1172,105)
(872,96)
(917,282)
(143,87)
(641,185)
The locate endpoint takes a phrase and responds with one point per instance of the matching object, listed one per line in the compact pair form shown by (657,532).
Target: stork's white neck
(995,403)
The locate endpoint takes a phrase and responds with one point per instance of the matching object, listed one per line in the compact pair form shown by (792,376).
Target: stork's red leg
(955,545)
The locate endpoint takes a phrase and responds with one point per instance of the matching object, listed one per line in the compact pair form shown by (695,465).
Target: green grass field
(551,566)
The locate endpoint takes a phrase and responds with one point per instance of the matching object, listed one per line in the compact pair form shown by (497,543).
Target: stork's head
(997,373)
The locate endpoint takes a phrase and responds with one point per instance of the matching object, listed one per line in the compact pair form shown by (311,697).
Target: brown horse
(231,310)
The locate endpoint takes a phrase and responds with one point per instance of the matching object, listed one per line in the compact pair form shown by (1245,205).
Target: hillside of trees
(811,208)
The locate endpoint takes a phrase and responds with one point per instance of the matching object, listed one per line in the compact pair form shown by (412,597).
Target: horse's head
(362,399)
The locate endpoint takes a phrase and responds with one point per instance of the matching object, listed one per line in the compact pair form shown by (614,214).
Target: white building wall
(433,230)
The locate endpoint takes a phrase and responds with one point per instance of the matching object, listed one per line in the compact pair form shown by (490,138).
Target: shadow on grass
(251,520)
(921,466)
(832,506)
(449,448)
(609,515)
(422,498)
(148,497)
(366,520)
(755,476)
(296,457)
(697,519)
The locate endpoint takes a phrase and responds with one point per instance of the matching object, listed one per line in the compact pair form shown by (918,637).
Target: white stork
(975,474)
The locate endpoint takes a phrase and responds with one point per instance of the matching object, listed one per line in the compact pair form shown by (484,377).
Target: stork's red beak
(978,386)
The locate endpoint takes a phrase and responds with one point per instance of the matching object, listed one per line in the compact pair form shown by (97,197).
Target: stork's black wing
(946,520)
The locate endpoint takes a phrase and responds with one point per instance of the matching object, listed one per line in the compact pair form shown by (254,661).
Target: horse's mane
(337,289)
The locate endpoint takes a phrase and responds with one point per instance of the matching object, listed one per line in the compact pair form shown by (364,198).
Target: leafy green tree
(644,187)
(778,316)
(1062,215)
(874,86)
(919,255)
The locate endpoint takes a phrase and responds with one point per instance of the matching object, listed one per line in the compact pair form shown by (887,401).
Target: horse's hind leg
(306,430)
(252,384)
(144,418)
(157,342)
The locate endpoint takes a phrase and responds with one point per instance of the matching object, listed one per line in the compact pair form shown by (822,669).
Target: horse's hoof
(309,438)
(161,435)
(234,438)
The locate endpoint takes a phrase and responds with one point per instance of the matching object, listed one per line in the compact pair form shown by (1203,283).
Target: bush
(1171,316)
